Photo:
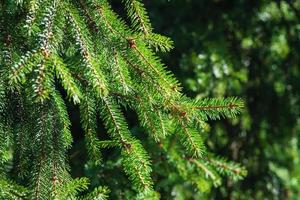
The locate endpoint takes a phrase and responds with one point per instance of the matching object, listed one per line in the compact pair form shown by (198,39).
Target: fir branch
(41,166)
(145,81)
(191,139)
(10,190)
(104,66)
(108,144)
(121,73)
(45,37)
(99,193)
(210,173)
(231,169)
(138,16)
(21,138)
(61,141)
(167,79)
(24,66)
(32,14)
(42,83)
(72,188)
(135,160)
(89,124)
(158,42)
(170,84)
(82,40)
(152,120)
(214,108)
(63,117)
(177,158)
(42,52)
(204,109)
(107,21)
(64,75)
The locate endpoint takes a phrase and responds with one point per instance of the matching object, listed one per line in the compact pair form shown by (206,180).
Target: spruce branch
(32,14)
(63,119)
(122,74)
(191,139)
(138,16)
(89,124)
(41,167)
(42,83)
(210,173)
(134,158)
(84,44)
(231,169)
(24,66)
(141,54)
(103,66)
(12,191)
(68,82)
(150,118)
(108,144)
(72,188)
(214,108)
(158,42)
(99,193)
(21,138)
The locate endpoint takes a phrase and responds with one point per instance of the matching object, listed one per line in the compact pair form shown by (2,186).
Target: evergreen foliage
(55,53)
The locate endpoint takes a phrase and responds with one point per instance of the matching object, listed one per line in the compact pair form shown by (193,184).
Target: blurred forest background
(244,48)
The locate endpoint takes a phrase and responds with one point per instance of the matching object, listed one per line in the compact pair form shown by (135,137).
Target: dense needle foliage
(56,53)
